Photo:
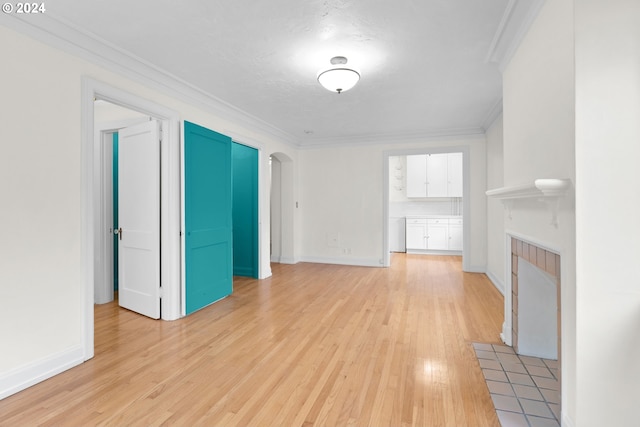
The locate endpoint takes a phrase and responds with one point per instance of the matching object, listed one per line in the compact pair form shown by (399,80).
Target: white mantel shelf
(539,188)
(548,190)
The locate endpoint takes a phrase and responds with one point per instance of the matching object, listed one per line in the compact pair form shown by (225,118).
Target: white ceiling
(429,67)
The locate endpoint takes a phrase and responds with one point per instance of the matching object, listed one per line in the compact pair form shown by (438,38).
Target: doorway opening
(445,210)
(109,119)
(93,235)
(282,207)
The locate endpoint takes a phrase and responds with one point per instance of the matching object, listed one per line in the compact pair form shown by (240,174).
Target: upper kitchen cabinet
(434,175)
(417,176)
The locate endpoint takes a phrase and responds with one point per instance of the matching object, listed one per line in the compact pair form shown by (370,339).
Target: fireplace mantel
(548,190)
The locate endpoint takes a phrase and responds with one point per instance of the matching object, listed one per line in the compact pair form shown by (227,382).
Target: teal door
(245,210)
(208,220)
(114,186)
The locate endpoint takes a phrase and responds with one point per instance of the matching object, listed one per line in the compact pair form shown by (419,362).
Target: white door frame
(466,192)
(91,194)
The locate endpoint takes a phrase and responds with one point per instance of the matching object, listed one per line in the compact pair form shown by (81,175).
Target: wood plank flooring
(315,345)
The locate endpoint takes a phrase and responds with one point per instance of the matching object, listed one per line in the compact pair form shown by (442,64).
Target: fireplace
(535,300)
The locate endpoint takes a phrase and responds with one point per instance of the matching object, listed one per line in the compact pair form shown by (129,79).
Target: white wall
(42,294)
(341,190)
(538,105)
(495,208)
(607,185)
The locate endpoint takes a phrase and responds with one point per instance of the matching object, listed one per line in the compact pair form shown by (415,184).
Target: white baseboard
(474,269)
(566,421)
(25,376)
(496,282)
(361,262)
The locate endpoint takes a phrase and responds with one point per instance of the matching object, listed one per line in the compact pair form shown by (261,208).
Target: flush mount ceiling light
(339,78)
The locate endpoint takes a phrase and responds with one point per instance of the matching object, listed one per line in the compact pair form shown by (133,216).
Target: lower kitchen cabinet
(455,236)
(433,234)
(438,234)
(416,234)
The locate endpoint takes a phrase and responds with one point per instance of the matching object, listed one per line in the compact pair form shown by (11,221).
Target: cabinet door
(454,174)
(437,181)
(417,176)
(416,236)
(455,237)
(437,234)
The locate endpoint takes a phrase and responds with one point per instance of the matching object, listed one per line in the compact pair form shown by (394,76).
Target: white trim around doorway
(169,204)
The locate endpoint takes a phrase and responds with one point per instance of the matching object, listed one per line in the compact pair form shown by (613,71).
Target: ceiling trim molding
(493,114)
(514,25)
(397,138)
(498,37)
(58,33)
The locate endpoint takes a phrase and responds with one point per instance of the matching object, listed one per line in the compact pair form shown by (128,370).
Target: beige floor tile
(515,367)
(490,364)
(537,408)
(486,355)
(506,403)
(503,349)
(491,375)
(535,361)
(527,392)
(520,379)
(496,387)
(551,396)
(539,371)
(542,422)
(555,408)
(510,419)
(507,358)
(547,383)
(482,346)
(553,364)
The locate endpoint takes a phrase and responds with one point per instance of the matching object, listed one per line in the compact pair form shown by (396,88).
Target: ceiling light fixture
(339,78)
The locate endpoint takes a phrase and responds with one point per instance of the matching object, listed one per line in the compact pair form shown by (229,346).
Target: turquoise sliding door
(208,218)
(115,208)
(245,210)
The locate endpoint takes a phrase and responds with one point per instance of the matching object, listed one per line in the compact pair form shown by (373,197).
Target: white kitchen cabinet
(434,234)
(455,234)
(434,175)
(437,181)
(417,176)
(416,234)
(438,234)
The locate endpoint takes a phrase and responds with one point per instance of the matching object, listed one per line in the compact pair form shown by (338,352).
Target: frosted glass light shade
(339,79)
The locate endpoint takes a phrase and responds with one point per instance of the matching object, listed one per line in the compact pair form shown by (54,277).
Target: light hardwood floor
(320,345)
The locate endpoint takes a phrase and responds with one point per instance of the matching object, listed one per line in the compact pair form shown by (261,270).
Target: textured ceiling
(423,63)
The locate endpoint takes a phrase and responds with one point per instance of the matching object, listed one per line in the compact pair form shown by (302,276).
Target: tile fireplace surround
(544,260)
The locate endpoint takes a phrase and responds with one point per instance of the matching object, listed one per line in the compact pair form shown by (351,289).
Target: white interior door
(139,218)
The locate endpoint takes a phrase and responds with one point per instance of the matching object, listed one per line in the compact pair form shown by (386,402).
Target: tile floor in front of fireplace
(525,390)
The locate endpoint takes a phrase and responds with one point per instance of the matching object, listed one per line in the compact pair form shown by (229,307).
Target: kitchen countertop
(434,216)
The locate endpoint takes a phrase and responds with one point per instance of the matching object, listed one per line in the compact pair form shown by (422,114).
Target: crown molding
(62,35)
(494,113)
(395,138)
(514,25)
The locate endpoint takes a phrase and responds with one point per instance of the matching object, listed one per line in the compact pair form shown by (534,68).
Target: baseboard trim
(567,421)
(474,269)
(30,374)
(496,282)
(360,262)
